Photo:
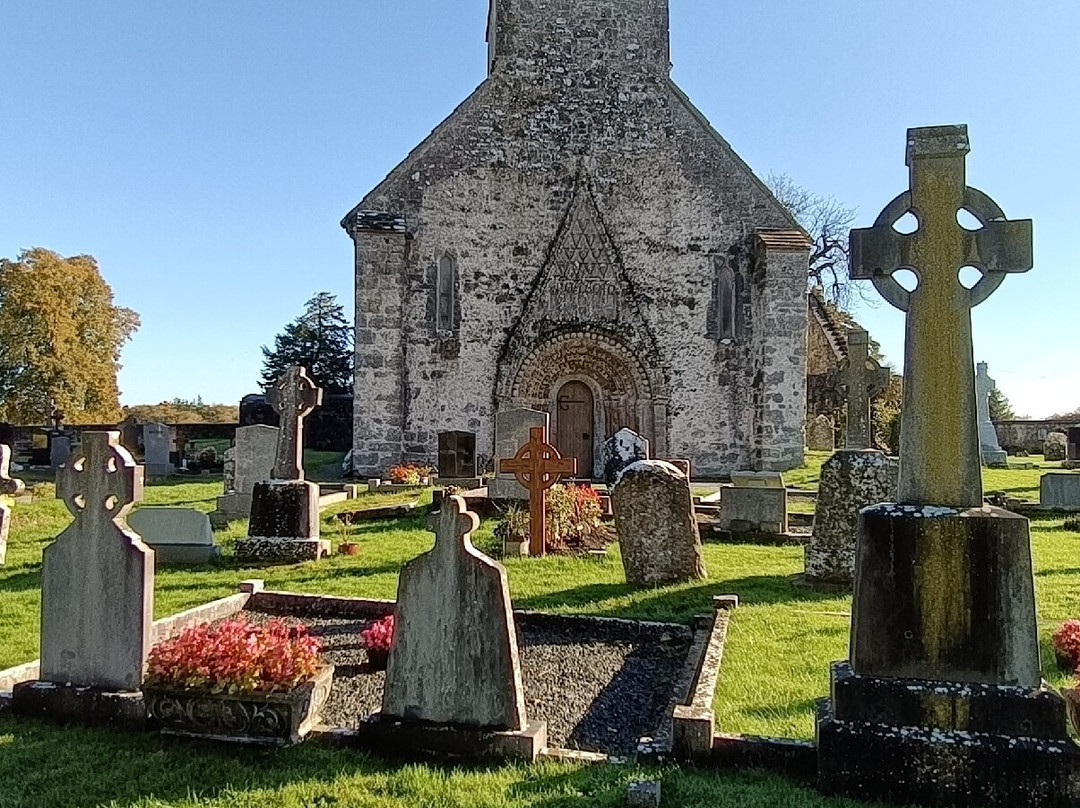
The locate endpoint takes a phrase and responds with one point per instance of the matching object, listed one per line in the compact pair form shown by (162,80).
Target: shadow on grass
(21,581)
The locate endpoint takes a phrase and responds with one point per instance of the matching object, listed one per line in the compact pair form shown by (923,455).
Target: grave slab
(176,535)
(1060,491)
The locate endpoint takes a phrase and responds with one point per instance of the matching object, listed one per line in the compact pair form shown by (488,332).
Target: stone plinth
(945,594)
(749,507)
(1060,491)
(850,481)
(177,535)
(654,520)
(284,523)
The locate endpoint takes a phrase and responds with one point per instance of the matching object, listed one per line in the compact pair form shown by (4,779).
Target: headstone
(59,450)
(176,535)
(247,463)
(1060,491)
(454,657)
(1055,447)
(156,443)
(623,449)
(537,466)
(863,378)
(989,448)
(820,434)
(7,434)
(8,488)
(755,502)
(942,701)
(654,520)
(97,583)
(457,455)
(682,464)
(511,432)
(284,523)
(850,481)
(130,432)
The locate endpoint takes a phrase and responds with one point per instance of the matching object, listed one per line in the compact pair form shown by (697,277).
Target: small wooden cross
(538,466)
(864,378)
(939,441)
(293,397)
(100,483)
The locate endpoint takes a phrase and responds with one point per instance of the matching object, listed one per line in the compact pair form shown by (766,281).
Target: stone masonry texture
(579,213)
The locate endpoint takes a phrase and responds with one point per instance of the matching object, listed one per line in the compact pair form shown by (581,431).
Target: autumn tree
(828,222)
(60,339)
(320,340)
(184,411)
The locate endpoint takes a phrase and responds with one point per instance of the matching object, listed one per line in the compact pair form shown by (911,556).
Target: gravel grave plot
(600,687)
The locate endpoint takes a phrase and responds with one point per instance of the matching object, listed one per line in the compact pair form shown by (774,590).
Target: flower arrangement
(1066,642)
(574,518)
(377,639)
(408,473)
(235,656)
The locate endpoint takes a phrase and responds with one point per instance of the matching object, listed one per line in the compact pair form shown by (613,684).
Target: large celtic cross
(100,482)
(538,466)
(939,442)
(864,378)
(293,397)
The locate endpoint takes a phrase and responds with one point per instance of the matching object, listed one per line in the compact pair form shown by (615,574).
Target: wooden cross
(100,483)
(538,466)
(293,397)
(864,378)
(939,442)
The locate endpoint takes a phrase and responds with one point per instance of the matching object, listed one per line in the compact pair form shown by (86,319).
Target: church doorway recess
(574,424)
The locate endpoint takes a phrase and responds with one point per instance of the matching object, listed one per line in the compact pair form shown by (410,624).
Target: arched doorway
(574,424)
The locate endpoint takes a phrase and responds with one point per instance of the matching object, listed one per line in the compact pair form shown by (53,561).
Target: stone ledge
(791,758)
(280,550)
(693,722)
(79,705)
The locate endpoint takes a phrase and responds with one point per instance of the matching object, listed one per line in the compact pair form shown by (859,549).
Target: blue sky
(204,151)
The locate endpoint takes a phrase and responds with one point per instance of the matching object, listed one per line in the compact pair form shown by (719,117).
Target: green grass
(781,642)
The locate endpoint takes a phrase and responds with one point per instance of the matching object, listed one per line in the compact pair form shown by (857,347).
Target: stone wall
(578,141)
(1028,436)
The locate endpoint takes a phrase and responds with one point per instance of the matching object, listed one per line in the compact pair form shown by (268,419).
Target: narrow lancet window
(723,308)
(445,295)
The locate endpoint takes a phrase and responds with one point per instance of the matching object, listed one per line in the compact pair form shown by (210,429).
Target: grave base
(285,509)
(70,704)
(288,551)
(414,740)
(185,553)
(945,743)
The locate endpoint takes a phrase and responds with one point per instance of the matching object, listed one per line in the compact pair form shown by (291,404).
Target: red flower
(379,636)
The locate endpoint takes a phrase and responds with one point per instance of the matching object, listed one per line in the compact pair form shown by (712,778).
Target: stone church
(577,238)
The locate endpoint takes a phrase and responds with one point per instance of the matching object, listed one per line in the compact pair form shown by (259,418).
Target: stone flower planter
(256,718)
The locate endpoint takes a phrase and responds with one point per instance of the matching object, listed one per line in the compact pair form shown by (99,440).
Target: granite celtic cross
(939,442)
(293,397)
(864,378)
(538,466)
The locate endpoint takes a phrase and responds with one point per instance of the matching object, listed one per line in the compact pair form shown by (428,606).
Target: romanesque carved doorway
(574,424)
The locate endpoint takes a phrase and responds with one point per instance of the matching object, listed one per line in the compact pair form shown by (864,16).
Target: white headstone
(623,449)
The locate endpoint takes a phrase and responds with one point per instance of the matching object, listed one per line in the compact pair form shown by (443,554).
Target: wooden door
(574,424)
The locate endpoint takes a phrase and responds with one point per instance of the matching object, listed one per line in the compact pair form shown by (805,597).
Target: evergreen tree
(1000,408)
(320,340)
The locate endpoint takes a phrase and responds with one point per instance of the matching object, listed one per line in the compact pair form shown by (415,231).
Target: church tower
(577,238)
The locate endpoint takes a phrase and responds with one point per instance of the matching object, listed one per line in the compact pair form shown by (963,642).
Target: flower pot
(1072,706)
(349,548)
(257,718)
(377,658)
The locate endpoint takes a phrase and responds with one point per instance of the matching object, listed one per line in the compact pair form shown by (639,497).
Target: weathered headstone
(284,523)
(623,449)
(654,520)
(942,700)
(1060,490)
(850,481)
(59,450)
(511,432)
(130,433)
(156,443)
(176,535)
(755,502)
(454,657)
(989,448)
(457,455)
(8,488)
(249,462)
(1055,447)
(863,378)
(537,466)
(97,582)
(820,434)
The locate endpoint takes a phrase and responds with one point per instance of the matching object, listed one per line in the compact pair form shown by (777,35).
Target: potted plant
(346,547)
(514,532)
(238,681)
(377,639)
(1066,643)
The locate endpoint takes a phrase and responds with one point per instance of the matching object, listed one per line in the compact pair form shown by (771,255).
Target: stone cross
(864,378)
(939,442)
(293,397)
(97,585)
(538,466)
(8,487)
